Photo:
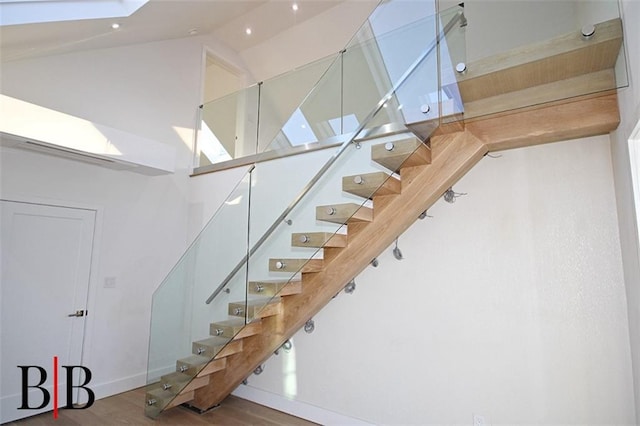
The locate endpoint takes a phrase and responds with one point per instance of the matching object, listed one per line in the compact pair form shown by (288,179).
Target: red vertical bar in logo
(55,387)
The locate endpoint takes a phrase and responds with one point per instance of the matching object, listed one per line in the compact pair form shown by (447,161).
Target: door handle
(79,313)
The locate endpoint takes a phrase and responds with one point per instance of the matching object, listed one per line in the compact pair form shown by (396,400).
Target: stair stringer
(453,155)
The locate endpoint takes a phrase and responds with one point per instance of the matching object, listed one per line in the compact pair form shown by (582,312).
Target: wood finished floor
(128,409)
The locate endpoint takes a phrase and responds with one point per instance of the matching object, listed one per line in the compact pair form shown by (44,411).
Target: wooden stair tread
(367,185)
(272,288)
(196,365)
(164,400)
(256,308)
(182,383)
(296,265)
(216,347)
(192,364)
(344,213)
(318,239)
(235,328)
(405,153)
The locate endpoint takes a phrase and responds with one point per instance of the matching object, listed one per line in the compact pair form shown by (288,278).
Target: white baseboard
(295,408)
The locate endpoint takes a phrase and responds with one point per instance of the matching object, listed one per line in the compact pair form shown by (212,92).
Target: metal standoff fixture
(424,215)
(304,239)
(461,68)
(280,264)
(358,180)
(219,332)
(258,371)
(450,195)
(166,386)
(389,146)
(588,31)
(375,262)
(309,326)
(425,108)
(259,288)
(350,287)
(396,252)
(238,311)
(288,345)
(331,211)
(288,222)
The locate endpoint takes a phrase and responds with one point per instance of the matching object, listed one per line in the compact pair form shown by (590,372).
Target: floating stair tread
(272,288)
(235,328)
(165,399)
(181,383)
(369,184)
(318,239)
(217,347)
(296,265)
(213,366)
(343,213)
(175,378)
(191,365)
(256,308)
(405,153)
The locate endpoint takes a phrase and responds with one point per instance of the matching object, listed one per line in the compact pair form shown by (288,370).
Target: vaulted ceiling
(227,20)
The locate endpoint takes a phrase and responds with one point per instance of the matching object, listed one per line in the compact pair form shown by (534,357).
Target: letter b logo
(25,387)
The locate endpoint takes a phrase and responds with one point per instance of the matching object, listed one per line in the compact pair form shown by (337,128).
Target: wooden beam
(581,118)
(595,82)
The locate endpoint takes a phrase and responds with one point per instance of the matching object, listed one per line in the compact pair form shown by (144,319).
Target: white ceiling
(162,20)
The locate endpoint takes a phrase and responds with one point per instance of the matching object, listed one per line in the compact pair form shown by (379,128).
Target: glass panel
(528,53)
(283,123)
(321,218)
(452,53)
(228,127)
(179,315)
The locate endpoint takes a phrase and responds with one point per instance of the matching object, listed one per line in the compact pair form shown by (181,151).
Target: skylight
(17,12)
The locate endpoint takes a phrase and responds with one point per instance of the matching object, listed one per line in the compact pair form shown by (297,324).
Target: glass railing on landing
(527,53)
(273,119)
(252,250)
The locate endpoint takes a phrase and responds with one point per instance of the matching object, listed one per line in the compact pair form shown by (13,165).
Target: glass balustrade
(526,53)
(272,228)
(179,316)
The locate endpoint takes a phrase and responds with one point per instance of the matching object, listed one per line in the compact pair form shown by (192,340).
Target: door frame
(85,355)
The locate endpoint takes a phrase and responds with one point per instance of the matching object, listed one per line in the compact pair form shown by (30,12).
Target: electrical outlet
(109,282)
(479,420)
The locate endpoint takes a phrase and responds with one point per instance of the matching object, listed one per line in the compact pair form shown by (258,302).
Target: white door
(45,266)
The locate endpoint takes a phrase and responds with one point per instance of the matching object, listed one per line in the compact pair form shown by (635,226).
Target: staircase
(403,177)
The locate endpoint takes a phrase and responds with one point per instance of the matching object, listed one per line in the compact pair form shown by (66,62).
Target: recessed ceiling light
(248,31)
(294,7)
(115,25)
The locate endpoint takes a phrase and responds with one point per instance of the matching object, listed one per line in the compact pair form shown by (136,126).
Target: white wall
(510,304)
(629,100)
